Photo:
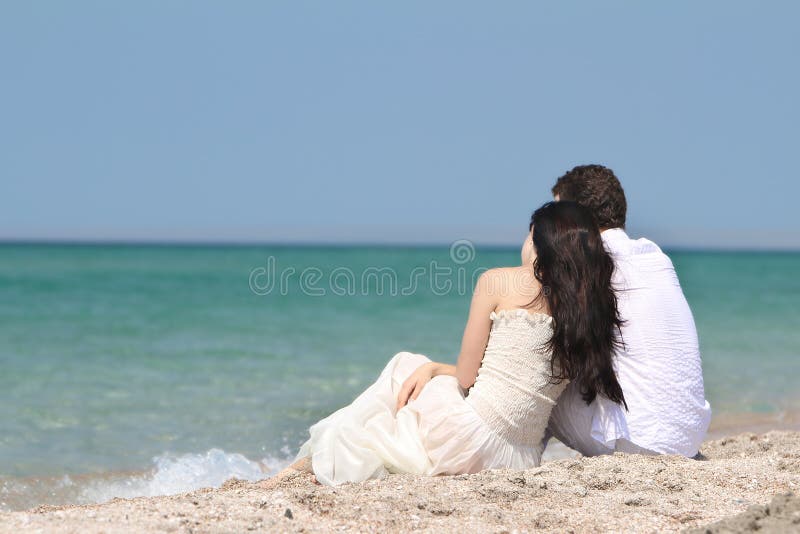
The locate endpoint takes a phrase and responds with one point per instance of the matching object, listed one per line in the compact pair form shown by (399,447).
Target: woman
(530,330)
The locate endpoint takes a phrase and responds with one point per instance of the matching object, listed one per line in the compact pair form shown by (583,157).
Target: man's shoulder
(618,242)
(643,245)
(640,261)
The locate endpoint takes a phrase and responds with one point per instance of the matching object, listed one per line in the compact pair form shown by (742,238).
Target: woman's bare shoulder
(513,280)
(511,286)
(504,275)
(507,271)
(522,272)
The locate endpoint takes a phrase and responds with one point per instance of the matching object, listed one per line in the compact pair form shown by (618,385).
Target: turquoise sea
(149,369)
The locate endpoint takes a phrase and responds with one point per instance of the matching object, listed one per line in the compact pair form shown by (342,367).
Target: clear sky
(395,121)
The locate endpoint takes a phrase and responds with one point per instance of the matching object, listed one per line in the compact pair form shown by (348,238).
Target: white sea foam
(178,474)
(170,474)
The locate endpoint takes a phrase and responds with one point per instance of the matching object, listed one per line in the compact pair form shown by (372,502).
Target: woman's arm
(476,332)
(473,344)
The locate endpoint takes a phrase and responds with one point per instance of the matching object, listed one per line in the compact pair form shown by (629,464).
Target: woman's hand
(413,385)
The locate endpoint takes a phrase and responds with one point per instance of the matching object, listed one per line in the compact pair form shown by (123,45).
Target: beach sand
(737,483)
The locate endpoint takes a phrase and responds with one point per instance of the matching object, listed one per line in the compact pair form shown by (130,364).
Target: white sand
(614,493)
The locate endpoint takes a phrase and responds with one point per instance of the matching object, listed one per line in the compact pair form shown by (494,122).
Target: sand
(780,515)
(736,483)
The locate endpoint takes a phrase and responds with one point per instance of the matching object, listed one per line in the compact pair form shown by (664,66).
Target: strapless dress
(499,423)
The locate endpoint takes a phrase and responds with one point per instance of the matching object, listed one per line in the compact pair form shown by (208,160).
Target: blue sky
(394,122)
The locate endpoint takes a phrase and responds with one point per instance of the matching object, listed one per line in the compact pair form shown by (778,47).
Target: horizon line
(338,244)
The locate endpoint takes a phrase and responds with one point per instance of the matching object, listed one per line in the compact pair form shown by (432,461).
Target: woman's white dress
(499,423)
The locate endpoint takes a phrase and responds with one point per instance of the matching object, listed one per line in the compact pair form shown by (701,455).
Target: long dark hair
(575,273)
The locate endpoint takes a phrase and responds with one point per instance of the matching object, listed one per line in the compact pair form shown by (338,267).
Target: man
(659,366)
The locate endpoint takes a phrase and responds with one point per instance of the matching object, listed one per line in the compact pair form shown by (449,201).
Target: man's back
(659,367)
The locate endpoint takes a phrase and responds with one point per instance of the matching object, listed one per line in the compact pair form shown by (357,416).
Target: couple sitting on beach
(589,340)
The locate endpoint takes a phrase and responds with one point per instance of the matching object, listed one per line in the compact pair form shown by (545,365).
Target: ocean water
(141,370)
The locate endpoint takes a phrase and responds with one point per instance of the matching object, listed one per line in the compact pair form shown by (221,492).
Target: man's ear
(556,198)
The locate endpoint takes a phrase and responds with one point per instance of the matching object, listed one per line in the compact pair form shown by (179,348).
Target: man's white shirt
(659,367)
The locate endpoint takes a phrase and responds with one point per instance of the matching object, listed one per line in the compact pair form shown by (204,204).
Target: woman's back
(514,391)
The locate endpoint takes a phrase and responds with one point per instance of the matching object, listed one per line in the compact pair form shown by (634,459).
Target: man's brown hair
(596,188)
